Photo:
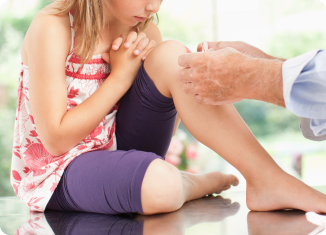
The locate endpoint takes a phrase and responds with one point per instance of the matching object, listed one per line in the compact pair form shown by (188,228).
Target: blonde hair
(90,19)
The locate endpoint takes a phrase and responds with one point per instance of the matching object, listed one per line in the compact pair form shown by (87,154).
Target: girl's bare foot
(282,191)
(166,189)
(199,185)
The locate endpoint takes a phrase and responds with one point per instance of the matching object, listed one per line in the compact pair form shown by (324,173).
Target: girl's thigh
(146,118)
(107,182)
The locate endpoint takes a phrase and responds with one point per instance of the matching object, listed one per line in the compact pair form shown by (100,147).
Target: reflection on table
(209,213)
(208,209)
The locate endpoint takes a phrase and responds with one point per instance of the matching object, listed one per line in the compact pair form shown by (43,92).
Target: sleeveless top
(35,173)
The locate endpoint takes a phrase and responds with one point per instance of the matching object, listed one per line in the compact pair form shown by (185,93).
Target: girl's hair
(90,19)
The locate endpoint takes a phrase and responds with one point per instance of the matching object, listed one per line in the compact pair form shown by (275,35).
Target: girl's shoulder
(49,28)
(153,33)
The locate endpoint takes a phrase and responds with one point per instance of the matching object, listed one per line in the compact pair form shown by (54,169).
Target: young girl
(93,139)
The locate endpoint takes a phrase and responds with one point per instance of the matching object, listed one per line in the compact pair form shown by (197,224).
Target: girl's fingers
(148,49)
(131,38)
(140,36)
(117,43)
(141,46)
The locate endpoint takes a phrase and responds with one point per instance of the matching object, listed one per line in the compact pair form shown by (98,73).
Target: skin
(221,129)
(230,72)
(60,130)
(164,187)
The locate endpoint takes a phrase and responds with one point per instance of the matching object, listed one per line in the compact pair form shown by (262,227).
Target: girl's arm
(47,45)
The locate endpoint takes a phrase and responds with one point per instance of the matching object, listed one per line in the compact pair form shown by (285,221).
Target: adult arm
(305,92)
(228,75)
(297,84)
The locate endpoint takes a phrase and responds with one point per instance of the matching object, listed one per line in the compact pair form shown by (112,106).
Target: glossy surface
(210,215)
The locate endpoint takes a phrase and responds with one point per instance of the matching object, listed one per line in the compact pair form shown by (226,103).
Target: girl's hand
(131,38)
(124,63)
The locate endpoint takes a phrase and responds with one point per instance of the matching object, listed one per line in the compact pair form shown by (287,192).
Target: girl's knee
(161,64)
(162,188)
(165,53)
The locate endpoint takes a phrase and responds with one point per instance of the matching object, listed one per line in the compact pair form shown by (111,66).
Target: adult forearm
(267,81)
(80,121)
(226,76)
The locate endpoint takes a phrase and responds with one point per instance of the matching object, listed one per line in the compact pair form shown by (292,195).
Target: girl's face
(131,12)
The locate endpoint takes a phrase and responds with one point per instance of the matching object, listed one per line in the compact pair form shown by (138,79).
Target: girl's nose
(153,6)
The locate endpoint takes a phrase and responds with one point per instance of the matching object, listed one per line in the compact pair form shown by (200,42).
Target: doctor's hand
(242,47)
(227,76)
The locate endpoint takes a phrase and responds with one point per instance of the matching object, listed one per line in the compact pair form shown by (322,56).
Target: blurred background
(283,28)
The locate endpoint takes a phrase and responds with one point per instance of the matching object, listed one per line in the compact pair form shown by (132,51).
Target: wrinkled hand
(242,47)
(217,77)
(231,71)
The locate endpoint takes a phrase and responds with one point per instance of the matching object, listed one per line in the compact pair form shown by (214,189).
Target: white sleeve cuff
(308,132)
(291,69)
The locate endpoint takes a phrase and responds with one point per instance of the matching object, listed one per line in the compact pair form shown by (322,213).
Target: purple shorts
(109,182)
(77,223)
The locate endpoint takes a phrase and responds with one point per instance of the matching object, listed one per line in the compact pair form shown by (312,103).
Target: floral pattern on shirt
(35,173)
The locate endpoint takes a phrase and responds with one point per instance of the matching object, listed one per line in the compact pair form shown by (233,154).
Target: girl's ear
(106,57)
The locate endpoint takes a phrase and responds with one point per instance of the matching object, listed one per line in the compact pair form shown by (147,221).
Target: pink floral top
(36,225)
(35,173)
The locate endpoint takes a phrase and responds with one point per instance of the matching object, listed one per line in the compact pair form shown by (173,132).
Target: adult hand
(242,47)
(227,76)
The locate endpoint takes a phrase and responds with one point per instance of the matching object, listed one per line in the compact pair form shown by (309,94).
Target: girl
(93,139)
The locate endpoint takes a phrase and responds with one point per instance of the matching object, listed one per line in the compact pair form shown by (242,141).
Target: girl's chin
(130,23)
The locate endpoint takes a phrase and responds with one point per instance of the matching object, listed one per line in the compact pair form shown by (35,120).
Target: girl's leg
(222,129)
(145,121)
(166,189)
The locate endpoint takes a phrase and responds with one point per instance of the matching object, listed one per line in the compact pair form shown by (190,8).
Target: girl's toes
(231,180)
(226,187)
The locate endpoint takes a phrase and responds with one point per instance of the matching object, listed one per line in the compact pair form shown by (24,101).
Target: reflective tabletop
(226,214)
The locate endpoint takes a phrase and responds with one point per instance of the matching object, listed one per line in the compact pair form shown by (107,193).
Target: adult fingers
(142,44)
(210,45)
(117,43)
(131,38)
(184,75)
(212,101)
(189,88)
(148,49)
(199,99)
(200,47)
(187,60)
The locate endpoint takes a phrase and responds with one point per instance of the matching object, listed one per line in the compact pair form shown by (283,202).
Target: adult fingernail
(127,44)
(137,52)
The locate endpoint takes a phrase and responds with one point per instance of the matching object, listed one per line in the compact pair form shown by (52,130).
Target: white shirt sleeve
(291,70)
(304,92)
